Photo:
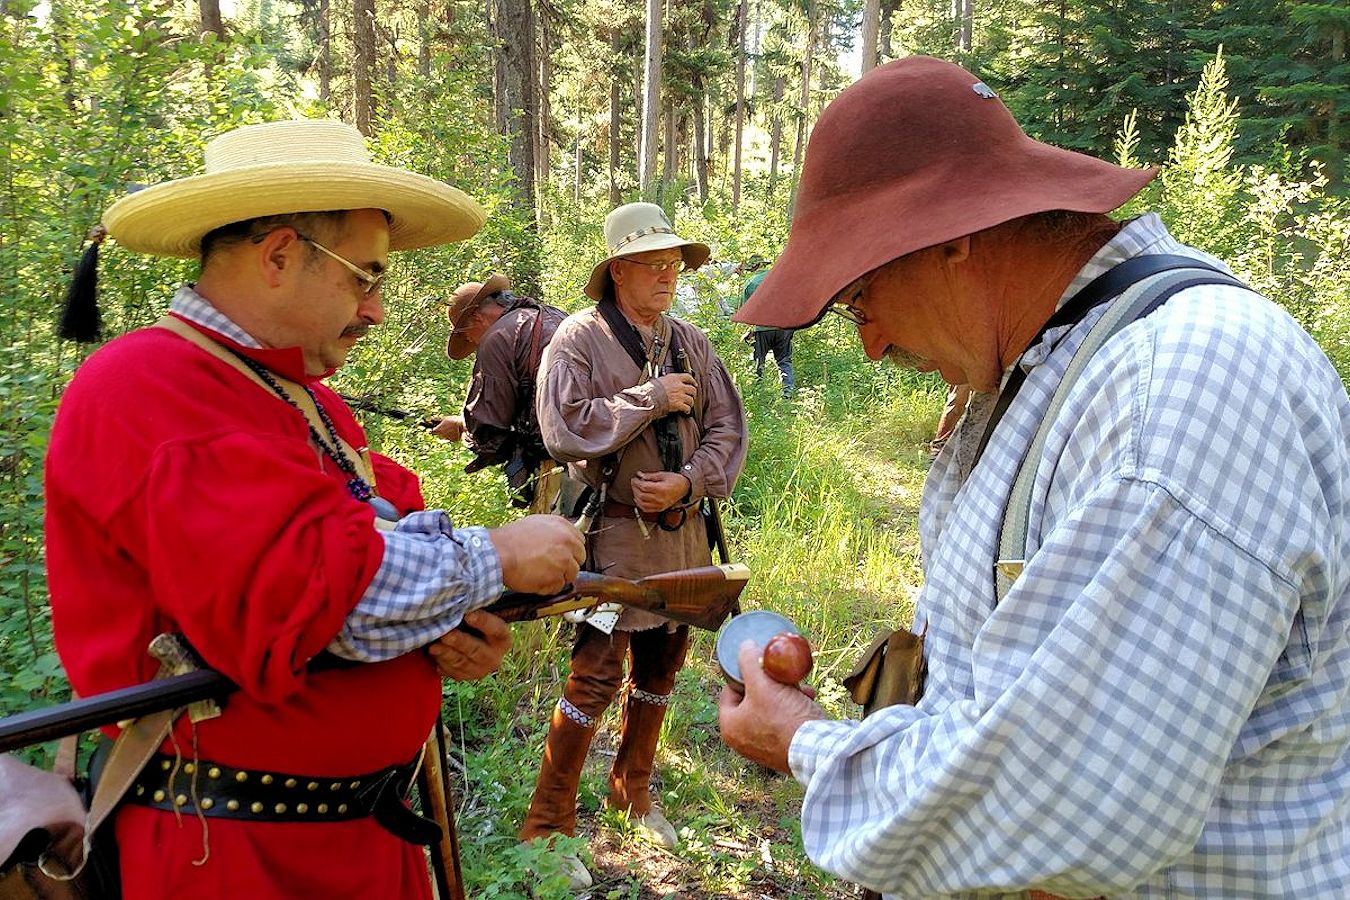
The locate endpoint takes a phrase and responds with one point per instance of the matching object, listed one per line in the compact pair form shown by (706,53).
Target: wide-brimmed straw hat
(309,165)
(464,302)
(637,228)
(916,152)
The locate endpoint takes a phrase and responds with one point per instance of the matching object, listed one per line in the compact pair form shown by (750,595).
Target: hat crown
(295,141)
(627,223)
(964,146)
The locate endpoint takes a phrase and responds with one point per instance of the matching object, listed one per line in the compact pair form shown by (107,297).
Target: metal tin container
(758,625)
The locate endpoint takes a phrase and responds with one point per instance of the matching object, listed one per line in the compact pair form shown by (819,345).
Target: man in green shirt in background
(766,338)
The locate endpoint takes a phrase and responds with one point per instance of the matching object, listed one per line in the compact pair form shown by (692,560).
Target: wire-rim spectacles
(670,265)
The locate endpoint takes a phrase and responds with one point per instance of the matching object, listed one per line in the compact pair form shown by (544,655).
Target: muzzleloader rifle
(701,597)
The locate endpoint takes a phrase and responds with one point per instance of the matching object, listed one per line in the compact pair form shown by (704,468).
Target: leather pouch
(890,671)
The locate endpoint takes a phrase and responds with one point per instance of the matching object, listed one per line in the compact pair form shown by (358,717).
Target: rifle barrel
(79,716)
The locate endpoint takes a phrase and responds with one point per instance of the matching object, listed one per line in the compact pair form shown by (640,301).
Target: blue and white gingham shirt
(431,573)
(1160,707)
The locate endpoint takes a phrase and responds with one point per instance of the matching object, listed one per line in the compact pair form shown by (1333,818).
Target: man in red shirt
(201,479)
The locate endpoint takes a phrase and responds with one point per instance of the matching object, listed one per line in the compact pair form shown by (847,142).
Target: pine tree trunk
(325,42)
(698,147)
(804,100)
(363,63)
(543,148)
(740,107)
(669,143)
(211,21)
(651,98)
(871,27)
(615,118)
(776,131)
(885,51)
(424,28)
(967,24)
(517,104)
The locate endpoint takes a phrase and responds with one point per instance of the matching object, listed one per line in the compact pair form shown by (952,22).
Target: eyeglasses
(851,309)
(670,265)
(369,280)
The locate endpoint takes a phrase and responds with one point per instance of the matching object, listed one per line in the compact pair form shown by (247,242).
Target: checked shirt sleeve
(430,576)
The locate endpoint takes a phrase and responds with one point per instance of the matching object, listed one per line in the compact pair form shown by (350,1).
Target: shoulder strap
(294,391)
(631,340)
(1139,300)
(536,345)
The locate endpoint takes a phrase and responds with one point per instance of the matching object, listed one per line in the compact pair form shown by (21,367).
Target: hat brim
(458,346)
(823,256)
(695,254)
(170,219)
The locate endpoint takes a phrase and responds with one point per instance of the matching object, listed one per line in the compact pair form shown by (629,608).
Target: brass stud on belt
(189,768)
(180,800)
(313,786)
(335,786)
(302,808)
(140,790)
(355,785)
(280,808)
(323,809)
(267,779)
(342,808)
(207,803)
(158,796)
(232,805)
(291,782)
(213,772)
(241,777)
(165,765)
(256,807)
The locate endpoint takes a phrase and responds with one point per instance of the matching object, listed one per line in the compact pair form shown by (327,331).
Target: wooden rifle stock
(702,597)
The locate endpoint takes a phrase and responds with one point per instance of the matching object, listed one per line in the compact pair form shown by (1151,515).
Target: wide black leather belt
(211,789)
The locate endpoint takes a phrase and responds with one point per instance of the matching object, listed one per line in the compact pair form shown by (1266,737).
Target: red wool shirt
(184,497)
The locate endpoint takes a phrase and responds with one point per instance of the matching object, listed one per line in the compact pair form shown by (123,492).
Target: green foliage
(1280,230)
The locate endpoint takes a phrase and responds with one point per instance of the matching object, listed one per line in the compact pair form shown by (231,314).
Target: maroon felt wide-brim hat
(916,152)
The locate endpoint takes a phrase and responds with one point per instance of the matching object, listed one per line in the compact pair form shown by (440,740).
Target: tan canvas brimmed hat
(916,152)
(307,165)
(464,302)
(637,228)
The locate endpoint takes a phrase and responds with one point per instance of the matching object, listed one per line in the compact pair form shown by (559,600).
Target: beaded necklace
(332,446)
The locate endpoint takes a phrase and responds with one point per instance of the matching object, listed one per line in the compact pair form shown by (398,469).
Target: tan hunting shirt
(593,401)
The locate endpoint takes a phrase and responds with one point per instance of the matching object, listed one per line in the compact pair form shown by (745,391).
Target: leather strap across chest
(359,458)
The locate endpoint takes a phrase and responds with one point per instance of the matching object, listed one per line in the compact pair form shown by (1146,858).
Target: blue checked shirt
(1160,707)
(431,573)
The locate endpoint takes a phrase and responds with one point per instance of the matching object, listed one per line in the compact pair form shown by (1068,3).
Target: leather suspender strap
(302,397)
